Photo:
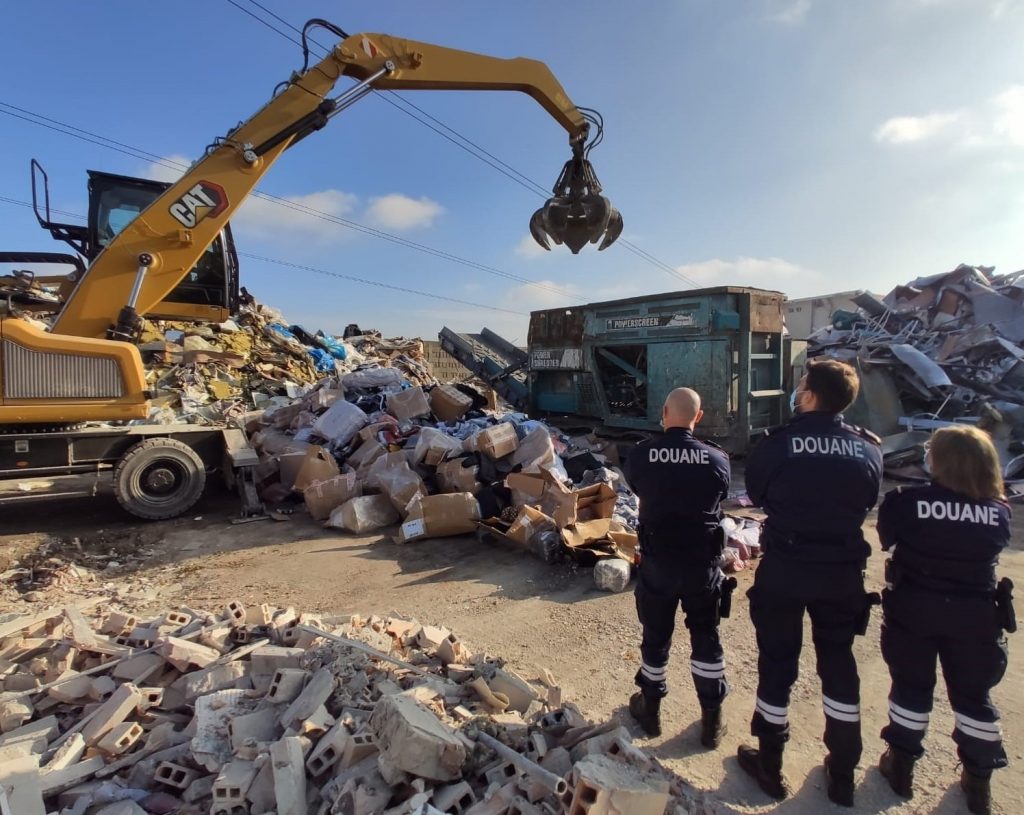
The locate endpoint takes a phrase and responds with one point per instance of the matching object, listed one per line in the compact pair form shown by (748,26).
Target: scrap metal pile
(262,710)
(940,349)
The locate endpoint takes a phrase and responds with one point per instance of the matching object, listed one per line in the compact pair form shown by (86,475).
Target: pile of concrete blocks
(259,710)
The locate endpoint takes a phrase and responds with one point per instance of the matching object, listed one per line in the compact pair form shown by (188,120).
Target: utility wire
(473,148)
(144,155)
(7,200)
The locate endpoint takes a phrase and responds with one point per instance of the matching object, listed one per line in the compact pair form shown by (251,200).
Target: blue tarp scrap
(283,331)
(332,346)
(322,361)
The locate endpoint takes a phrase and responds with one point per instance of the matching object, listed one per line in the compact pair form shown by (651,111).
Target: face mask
(792,402)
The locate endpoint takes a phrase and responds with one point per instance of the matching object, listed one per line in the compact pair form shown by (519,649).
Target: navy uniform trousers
(661,589)
(963,633)
(833,595)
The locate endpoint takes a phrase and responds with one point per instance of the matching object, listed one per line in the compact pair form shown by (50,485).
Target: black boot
(898,769)
(647,711)
(839,784)
(764,765)
(712,728)
(978,792)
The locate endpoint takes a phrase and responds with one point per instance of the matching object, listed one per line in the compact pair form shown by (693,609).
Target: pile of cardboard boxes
(263,710)
(366,453)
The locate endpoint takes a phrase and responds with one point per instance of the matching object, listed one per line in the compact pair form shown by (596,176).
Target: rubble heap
(208,374)
(263,710)
(939,349)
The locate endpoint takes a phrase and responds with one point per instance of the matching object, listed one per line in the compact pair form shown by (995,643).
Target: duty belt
(816,549)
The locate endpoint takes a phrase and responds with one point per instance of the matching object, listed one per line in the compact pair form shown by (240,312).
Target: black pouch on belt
(1004,605)
(725,597)
(872,598)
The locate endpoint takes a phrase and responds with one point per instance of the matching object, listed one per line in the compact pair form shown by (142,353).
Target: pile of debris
(208,374)
(262,710)
(370,449)
(940,349)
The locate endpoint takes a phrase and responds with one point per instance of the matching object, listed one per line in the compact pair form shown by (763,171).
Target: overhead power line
(327,272)
(144,155)
(460,140)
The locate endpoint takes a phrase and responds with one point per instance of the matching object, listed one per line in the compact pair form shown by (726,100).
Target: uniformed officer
(680,482)
(816,477)
(941,600)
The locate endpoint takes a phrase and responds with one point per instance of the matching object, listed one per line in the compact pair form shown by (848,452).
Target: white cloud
(995,8)
(293,221)
(529,248)
(167,169)
(908,129)
(1009,115)
(397,211)
(790,12)
(764,273)
(997,123)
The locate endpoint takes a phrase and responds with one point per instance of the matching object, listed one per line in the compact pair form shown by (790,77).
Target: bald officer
(680,482)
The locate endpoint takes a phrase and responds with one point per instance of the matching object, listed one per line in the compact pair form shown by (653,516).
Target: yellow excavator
(155,251)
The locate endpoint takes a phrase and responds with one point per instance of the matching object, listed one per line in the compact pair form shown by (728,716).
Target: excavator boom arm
(144,263)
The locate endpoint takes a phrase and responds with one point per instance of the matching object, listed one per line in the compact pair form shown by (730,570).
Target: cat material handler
(87,369)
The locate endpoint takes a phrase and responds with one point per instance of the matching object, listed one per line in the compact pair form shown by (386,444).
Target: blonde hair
(963,459)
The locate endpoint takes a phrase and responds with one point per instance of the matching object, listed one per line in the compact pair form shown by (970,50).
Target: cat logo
(202,201)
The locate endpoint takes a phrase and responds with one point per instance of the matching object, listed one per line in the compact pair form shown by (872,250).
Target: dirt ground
(508,604)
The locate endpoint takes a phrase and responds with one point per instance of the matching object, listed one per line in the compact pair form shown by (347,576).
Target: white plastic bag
(340,423)
(363,514)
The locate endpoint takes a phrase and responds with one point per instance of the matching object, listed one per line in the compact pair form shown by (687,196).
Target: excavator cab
(208,293)
(210,290)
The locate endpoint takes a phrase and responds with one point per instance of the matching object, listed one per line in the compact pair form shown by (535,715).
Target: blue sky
(802,145)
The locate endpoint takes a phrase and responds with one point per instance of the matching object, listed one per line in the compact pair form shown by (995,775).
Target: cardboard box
(322,497)
(602,538)
(448,403)
(319,465)
(545,492)
(401,485)
(323,399)
(529,522)
(438,516)
(370,432)
(408,404)
(595,502)
(367,453)
(498,441)
(371,475)
(453,476)
(283,417)
(566,506)
(433,446)
(289,465)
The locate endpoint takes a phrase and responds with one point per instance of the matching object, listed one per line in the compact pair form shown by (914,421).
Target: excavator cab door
(210,290)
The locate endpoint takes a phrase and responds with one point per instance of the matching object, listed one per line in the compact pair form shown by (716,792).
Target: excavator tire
(158,479)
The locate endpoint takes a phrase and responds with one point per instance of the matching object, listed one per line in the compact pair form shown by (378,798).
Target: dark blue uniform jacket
(942,540)
(680,482)
(817,478)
